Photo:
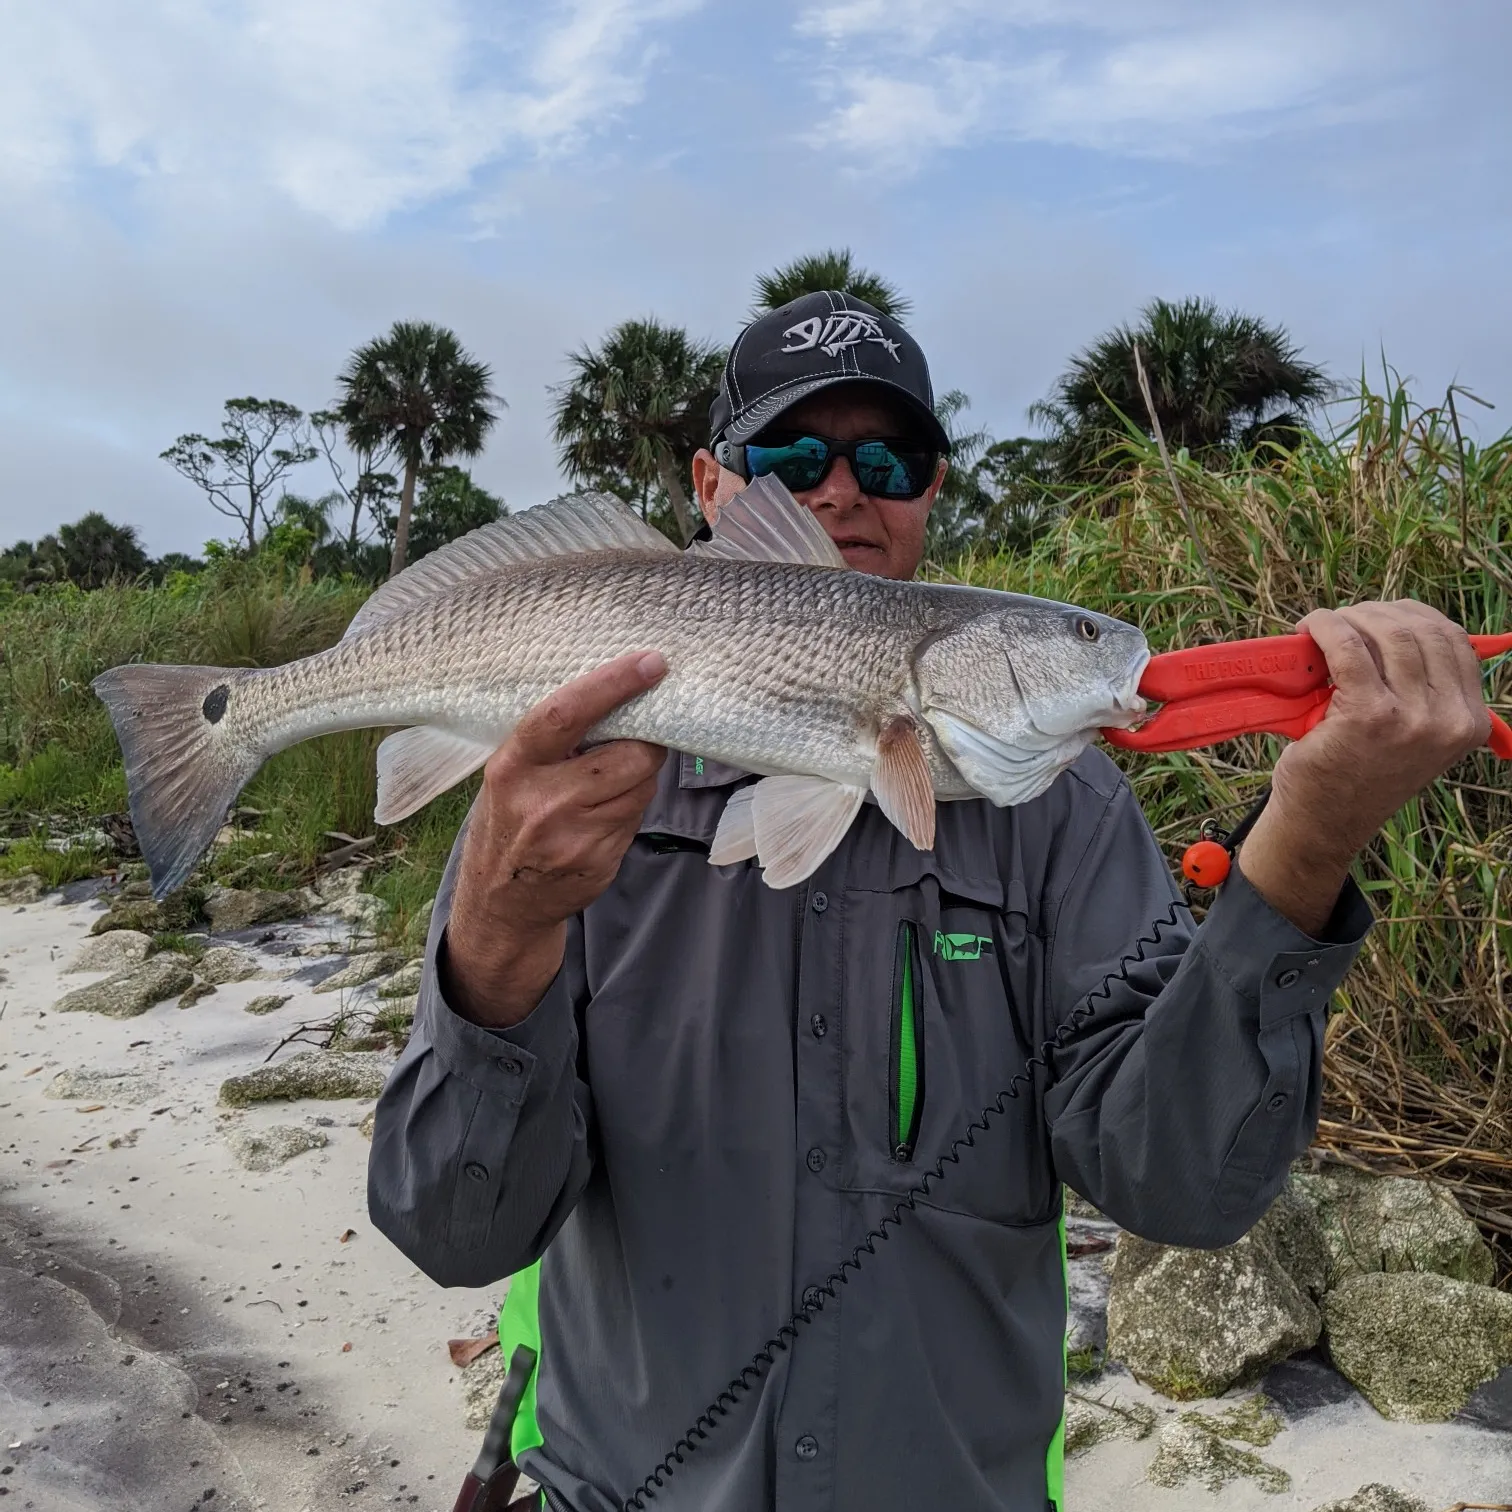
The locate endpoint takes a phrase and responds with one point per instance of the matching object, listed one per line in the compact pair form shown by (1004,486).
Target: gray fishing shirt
(727,1088)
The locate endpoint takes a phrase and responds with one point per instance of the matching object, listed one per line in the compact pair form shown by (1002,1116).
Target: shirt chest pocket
(934,1032)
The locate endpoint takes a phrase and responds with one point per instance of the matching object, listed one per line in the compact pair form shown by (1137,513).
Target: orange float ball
(1206,863)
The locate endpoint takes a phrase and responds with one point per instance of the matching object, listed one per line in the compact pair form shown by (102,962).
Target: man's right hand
(546,837)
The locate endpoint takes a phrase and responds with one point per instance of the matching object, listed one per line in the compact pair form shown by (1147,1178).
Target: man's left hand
(1407,705)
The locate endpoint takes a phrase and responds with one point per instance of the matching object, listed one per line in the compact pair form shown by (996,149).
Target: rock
(24,887)
(1191,1450)
(197,991)
(263,1149)
(1077,1206)
(309,1073)
(480,1389)
(128,993)
(361,909)
(1252,1420)
(1393,1223)
(418,928)
(110,952)
(230,908)
(403,983)
(342,883)
(1417,1344)
(360,969)
(269,1003)
(1377,1498)
(1087,1282)
(91,1085)
(1193,1323)
(365,1128)
(225,963)
(1090,1421)
(176,914)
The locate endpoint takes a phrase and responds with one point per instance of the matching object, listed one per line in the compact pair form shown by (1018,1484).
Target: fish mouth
(1129,708)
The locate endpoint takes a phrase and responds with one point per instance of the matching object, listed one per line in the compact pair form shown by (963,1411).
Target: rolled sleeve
(480,1141)
(1180,1099)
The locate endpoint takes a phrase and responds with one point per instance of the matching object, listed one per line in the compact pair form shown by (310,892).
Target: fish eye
(1088,629)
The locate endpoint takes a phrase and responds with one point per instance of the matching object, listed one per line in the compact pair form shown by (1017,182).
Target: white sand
(222,1246)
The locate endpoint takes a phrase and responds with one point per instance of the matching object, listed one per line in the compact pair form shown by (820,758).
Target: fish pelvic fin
(568,526)
(797,822)
(735,838)
(187,755)
(419,764)
(902,783)
(765,523)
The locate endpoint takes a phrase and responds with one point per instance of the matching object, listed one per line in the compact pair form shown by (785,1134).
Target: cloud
(350,111)
(1158,79)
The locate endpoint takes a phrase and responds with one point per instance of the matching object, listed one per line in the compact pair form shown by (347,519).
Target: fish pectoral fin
(765,523)
(735,838)
(418,764)
(797,822)
(902,783)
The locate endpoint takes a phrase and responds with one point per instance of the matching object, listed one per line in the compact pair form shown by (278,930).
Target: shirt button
(811,1297)
(476,1172)
(816,1160)
(818,1025)
(509,1065)
(1277,1102)
(807,1447)
(1289,978)
(819,902)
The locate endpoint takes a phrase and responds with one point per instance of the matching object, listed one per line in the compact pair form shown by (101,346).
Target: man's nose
(837,488)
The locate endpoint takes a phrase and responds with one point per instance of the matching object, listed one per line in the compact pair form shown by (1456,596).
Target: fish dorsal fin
(566,526)
(765,523)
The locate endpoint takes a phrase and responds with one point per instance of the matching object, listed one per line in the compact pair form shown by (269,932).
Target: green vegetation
(828,270)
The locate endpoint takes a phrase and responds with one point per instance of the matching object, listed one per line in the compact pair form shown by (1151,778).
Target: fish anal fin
(735,838)
(902,781)
(418,764)
(567,526)
(797,822)
(765,523)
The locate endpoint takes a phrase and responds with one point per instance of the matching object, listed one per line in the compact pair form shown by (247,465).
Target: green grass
(1418,1065)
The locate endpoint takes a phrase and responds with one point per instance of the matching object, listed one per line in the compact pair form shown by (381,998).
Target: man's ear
(705,481)
(941,469)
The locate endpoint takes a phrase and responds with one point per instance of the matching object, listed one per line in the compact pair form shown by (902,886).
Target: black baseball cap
(812,343)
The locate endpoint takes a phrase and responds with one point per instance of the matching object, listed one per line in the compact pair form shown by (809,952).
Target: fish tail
(188,751)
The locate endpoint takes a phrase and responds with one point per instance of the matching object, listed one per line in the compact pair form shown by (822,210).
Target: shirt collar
(705,772)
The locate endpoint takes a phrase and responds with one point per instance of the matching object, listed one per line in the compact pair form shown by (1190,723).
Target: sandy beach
(183,1332)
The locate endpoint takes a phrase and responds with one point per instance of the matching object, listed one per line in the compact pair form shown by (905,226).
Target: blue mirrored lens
(799,464)
(889,474)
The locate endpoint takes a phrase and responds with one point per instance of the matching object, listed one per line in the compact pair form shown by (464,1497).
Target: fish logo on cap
(832,334)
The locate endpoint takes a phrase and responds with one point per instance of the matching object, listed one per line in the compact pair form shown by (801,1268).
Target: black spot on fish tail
(215,703)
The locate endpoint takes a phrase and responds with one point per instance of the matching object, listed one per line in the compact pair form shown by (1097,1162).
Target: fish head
(1017,693)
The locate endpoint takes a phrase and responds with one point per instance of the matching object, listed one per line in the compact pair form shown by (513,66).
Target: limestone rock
(360,969)
(1090,1421)
(480,1389)
(1193,1323)
(1417,1344)
(1393,1223)
(309,1073)
(418,928)
(269,1003)
(1377,1498)
(134,908)
(403,983)
(225,963)
(129,993)
(25,887)
(339,884)
(1190,1450)
(263,1149)
(110,952)
(360,909)
(194,993)
(1254,1421)
(365,1128)
(88,1084)
(230,908)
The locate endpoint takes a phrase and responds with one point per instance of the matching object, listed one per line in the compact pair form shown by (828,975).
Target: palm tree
(1219,379)
(828,270)
(95,552)
(417,395)
(636,409)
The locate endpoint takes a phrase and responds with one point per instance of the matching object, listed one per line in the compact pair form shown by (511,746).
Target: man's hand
(1407,705)
(547,835)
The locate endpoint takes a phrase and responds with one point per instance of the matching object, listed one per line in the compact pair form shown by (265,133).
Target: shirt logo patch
(961,947)
(832,334)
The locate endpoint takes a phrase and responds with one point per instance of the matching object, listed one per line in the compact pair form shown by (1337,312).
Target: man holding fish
(694,1023)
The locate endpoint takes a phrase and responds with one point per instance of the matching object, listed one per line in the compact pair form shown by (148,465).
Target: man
(696,1095)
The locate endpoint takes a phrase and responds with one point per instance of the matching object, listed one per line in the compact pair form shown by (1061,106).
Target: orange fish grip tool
(1277,685)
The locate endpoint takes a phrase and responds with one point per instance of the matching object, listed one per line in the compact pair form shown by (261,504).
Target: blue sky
(204,198)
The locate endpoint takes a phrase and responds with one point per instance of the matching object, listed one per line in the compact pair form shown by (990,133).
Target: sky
(201,199)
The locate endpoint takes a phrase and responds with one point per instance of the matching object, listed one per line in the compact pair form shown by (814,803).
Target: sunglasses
(886,469)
